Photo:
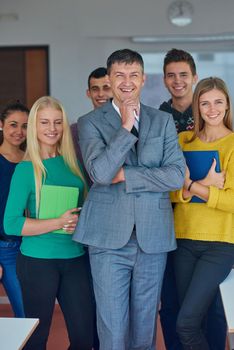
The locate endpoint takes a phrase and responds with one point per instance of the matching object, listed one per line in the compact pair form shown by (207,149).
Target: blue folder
(199,163)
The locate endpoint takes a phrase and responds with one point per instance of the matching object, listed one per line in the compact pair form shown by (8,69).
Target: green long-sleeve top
(22,196)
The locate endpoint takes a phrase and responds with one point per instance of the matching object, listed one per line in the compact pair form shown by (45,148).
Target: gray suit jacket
(111,211)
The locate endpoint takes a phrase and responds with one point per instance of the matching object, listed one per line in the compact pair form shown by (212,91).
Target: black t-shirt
(183,121)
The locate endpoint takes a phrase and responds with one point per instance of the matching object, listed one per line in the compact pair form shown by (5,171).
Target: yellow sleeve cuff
(177,197)
(182,199)
(213,197)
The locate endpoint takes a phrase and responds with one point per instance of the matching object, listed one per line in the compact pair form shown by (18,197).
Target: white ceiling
(126,18)
(122,18)
(82,33)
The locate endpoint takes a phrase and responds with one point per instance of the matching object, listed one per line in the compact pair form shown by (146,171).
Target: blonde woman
(50,265)
(205,230)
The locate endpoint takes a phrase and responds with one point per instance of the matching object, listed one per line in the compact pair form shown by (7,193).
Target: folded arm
(102,158)
(168,176)
(15,222)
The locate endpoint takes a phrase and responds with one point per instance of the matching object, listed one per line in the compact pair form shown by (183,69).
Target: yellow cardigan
(214,220)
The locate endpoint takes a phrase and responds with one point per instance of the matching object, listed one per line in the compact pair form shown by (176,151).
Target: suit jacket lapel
(143,128)
(111,116)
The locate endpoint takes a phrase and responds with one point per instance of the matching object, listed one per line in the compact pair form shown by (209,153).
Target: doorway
(24,74)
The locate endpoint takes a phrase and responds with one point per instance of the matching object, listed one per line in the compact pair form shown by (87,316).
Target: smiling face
(213,106)
(14,128)
(126,81)
(99,91)
(49,128)
(179,80)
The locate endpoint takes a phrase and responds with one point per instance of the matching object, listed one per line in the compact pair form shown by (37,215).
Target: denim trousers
(8,254)
(200,266)
(214,325)
(169,307)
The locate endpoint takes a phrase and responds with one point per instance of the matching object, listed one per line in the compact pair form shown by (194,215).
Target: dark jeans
(96,344)
(44,280)
(169,306)
(8,253)
(199,269)
(214,325)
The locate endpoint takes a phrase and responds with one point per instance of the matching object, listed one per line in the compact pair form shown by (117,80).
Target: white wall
(81,34)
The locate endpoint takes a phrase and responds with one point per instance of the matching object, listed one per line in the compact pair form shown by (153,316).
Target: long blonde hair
(202,87)
(65,145)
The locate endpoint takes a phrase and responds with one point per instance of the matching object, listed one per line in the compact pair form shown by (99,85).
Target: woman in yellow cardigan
(205,231)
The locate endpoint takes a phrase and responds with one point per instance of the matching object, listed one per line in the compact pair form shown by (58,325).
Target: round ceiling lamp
(180,13)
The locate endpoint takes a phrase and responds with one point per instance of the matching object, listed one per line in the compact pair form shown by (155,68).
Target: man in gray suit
(131,153)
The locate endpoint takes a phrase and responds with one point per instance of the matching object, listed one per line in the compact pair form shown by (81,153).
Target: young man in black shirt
(179,78)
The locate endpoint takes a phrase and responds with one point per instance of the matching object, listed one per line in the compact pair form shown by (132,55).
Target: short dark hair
(175,55)
(11,108)
(124,56)
(97,73)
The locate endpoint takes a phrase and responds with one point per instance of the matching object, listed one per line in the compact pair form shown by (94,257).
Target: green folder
(55,200)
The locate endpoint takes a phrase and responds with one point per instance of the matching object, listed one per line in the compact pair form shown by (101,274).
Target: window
(220,64)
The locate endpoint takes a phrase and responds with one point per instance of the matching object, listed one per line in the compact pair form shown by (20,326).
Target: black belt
(8,239)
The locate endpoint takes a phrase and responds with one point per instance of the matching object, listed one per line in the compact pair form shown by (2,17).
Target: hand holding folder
(56,200)
(199,163)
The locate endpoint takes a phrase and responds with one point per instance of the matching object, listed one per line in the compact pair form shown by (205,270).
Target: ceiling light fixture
(180,13)
(201,38)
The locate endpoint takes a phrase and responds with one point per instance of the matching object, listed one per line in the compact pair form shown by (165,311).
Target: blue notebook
(199,163)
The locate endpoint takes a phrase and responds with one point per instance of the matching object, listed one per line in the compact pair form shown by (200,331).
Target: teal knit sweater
(22,196)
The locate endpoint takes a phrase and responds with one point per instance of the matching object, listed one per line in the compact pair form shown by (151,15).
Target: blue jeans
(214,325)
(8,254)
(170,306)
(200,267)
